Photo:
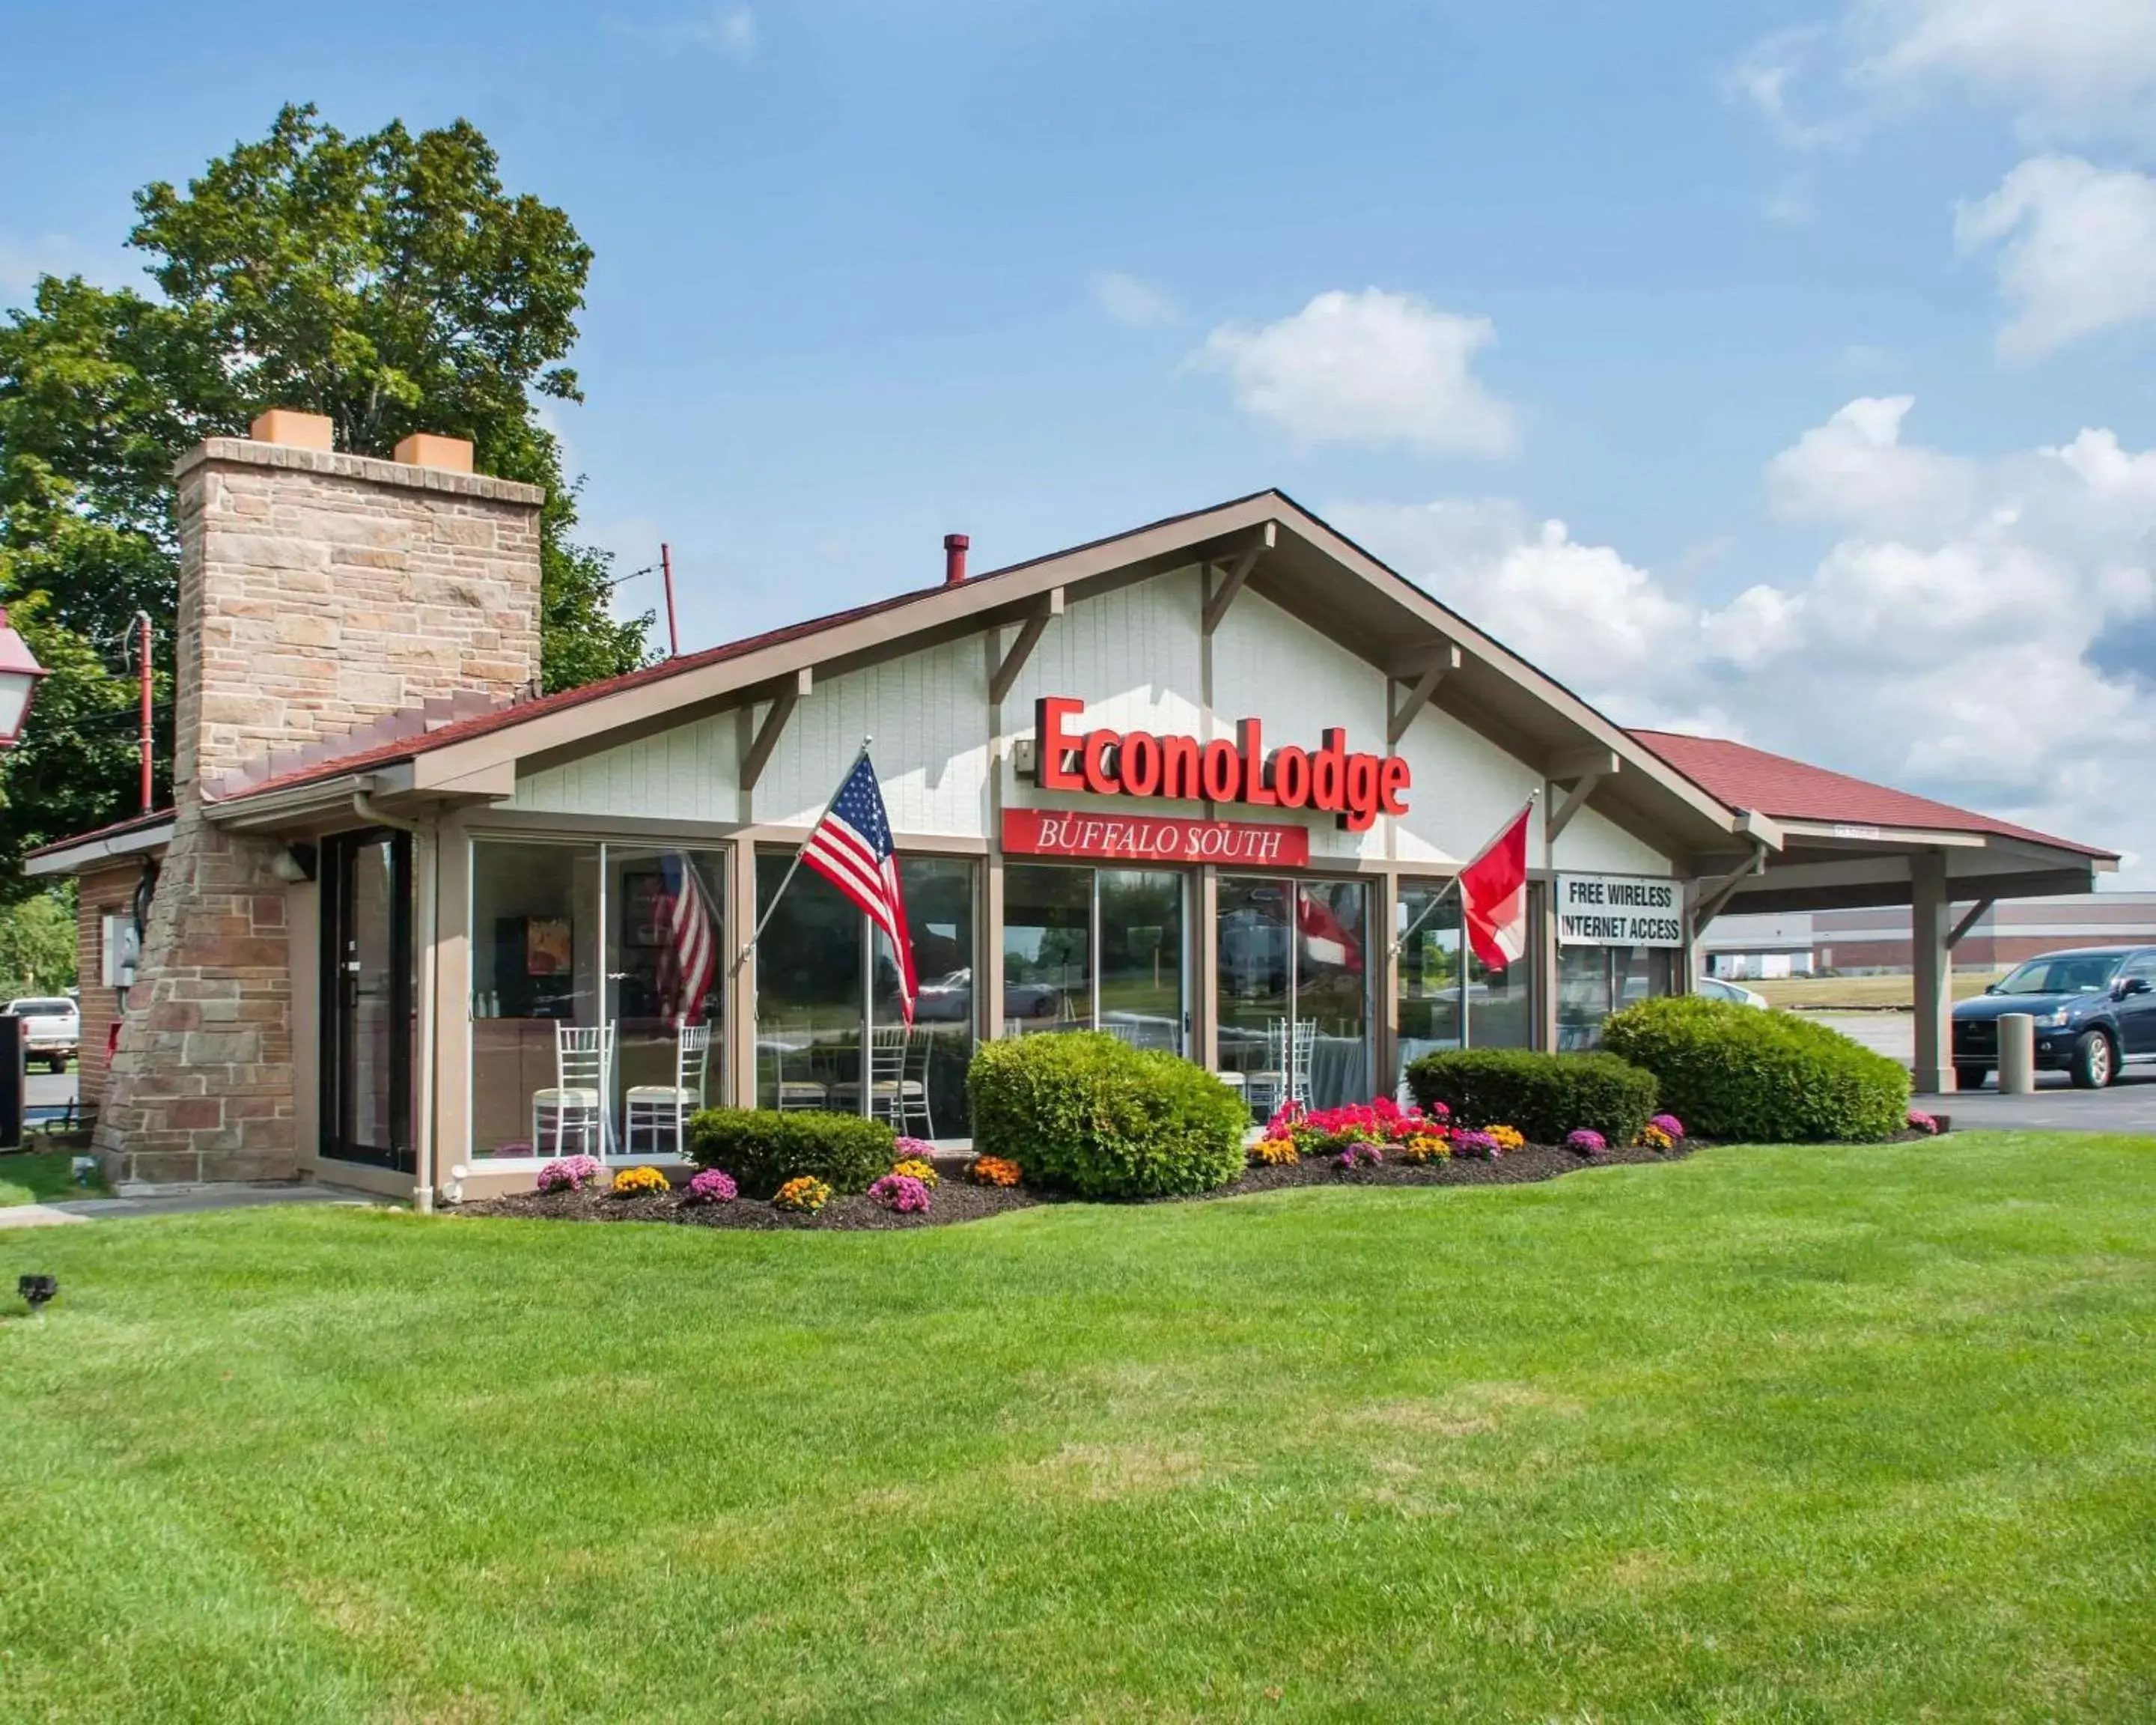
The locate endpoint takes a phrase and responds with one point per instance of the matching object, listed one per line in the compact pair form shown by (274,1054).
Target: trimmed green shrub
(1086,1112)
(763,1149)
(1734,1072)
(1546,1096)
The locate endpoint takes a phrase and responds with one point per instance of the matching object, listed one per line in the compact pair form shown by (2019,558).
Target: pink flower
(1587,1143)
(711,1186)
(1669,1123)
(901,1192)
(569,1173)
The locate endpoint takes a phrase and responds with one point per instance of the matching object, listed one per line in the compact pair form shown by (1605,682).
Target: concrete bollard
(2017,1054)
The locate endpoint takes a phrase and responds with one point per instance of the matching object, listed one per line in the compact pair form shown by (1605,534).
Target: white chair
(1267,1086)
(1306,1047)
(658,1112)
(570,1118)
(890,1089)
(913,1086)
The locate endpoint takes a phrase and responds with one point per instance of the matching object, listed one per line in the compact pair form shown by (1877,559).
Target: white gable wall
(1136,657)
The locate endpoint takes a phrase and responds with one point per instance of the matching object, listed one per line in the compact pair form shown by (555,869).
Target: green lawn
(1779,1434)
(41,1177)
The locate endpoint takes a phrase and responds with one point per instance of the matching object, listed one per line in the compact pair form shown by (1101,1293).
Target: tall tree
(387,281)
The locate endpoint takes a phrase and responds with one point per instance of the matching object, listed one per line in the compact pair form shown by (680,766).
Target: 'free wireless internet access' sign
(1619,911)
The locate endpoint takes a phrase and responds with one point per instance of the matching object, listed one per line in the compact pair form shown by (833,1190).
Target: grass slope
(42,1177)
(1786,1434)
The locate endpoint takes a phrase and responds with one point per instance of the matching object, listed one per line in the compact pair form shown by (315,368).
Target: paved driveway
(2129,1106)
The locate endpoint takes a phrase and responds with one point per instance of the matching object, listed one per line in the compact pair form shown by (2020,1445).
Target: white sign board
(1619,911)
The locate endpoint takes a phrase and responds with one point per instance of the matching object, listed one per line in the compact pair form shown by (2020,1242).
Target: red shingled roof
(1746,777)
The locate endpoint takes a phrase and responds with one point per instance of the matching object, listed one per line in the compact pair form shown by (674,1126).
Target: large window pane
(1256,981)
(1499,1004)
(1332,988)
(536,965)
(809,967)
(1048,948)
(1141,956)
(939,914)
(1430,982)
(666,960)
(1583,995)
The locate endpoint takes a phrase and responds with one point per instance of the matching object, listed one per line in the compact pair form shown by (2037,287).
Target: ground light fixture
(36,1290)
(19,671)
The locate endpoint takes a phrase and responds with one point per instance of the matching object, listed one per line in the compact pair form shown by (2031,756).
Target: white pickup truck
(54,1036)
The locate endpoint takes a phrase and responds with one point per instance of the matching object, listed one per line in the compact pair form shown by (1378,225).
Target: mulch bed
(958,1200)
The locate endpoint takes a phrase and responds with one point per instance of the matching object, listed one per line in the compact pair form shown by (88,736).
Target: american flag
(689,958)
(851,849)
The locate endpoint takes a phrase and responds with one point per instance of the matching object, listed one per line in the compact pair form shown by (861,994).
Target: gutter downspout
(427,866)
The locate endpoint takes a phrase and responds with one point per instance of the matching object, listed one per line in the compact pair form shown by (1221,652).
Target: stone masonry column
(319,592)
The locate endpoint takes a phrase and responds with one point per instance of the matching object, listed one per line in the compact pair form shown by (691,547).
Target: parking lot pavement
(2129,1106)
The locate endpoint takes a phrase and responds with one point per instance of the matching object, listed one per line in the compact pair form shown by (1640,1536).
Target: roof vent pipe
(955,546)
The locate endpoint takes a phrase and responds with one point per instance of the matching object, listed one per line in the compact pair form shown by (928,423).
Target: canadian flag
(1493,891)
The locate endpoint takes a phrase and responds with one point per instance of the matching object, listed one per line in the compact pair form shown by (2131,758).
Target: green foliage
(1732,1072)
(1546,1096)
(1088,1112)
(37,943)
(763,1149)
(387,281)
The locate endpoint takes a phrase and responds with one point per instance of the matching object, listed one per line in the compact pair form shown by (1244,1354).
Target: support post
(1421,686)
(1205,986)
(1387,1003)
(758,753)
(1005,675)
(1222,597)
(737,1073)
(1929,909)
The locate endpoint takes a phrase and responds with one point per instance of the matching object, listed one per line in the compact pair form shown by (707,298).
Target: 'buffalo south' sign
(1056,832)
(1619,911)
(1355,788)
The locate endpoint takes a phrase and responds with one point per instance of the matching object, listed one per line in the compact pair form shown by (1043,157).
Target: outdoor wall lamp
(19,671)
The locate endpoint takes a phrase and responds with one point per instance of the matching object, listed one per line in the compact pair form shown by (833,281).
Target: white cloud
(2077,251)
(2061,65)
(1372,367)
(1131,302)
(730,30)
(2062,69)
(1948,642)
(1854,472)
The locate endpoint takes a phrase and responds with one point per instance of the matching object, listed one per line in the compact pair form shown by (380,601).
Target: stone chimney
(319,593)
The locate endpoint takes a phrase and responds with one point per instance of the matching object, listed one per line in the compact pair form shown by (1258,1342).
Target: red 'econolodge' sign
(1055,832)
(1355,788)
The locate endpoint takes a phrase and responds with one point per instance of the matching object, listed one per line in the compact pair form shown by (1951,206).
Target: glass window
(1048,948)
(1499,1004)
(823,993)
(1293,999)
(1430,982)
(535,961)
(1141,921)
(666,960)
(1594,982)
(939,914)
(808,977)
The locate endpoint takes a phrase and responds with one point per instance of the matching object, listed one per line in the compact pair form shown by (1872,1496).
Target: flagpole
(1453,883)
(763,921)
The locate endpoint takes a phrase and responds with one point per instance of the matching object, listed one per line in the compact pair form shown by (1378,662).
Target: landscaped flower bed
(1375,1143)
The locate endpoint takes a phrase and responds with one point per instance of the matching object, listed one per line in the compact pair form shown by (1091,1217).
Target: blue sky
(1452,274)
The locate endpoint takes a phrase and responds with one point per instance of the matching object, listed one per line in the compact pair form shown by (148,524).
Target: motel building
(413,928)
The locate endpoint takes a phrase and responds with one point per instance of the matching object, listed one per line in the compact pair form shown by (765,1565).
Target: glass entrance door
(1293,1000)
(367,1020)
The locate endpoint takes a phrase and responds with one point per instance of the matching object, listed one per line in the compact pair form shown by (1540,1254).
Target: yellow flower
(1275,1153)
(804,1193)
(919,1167)
(1508,1138)
(639,1183)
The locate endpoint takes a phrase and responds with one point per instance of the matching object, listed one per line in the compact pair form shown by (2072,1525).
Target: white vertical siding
(1132,656)
(928,713)
(1464,787)
(1592,844)
(691,773)
(1268,665)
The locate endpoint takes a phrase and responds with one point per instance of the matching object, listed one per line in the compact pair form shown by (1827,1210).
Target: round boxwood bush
(1547,1095)
(1735,1072)
(763,1149)
(1088,1113)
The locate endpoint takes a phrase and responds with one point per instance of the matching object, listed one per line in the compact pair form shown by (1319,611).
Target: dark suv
(2095,1009)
